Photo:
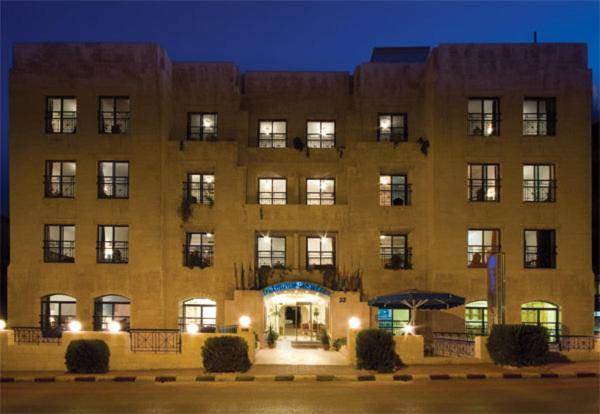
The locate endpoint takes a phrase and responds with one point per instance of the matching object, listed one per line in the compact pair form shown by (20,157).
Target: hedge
(375,350)
(225,354)
(87,356)
(518,345)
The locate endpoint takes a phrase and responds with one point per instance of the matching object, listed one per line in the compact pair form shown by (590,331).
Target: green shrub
(375,350)
(225,354)
(338,343)
(272,337)
(518,345)
(87,356)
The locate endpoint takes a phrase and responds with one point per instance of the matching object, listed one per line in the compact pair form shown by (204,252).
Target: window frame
(495,249)
(203,135)
(550,121)
(406,253)
(62,319)
(101,246)
(272,197)
(320,140)
(49,117)
(48,179)
(321,192)
(537,184)
(207,250)
(526,254)
(114,183)
(484,182)
(320,252)
(209,199)
(124,116)
(272,140)
(495,117)
(403,135)
(555,333)
(186,320)
(101,320)
(62,244)
(406,192)
(271,252)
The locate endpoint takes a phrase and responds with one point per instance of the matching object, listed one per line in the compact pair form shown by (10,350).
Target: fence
(453,344)
(155,340)
(25,335)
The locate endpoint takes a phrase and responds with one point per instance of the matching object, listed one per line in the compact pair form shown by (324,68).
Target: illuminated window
(320,134)
(484,182)
(476,318)
(392,127)
(539,116)
(543,314)
(111,308)
(57,311)
(200,188)
(272,134)
(61,115)
(272,191)
(114,115)
(539,184)
(270,251)
(394,251)
(320,251)
(320,191)
(201,312)
(394,190)
(393,320)
(540,249)
(484,116)
(60,179)
(482,244)
(199,250)
(113,179)
(202,126)
(59,243)
(113,243)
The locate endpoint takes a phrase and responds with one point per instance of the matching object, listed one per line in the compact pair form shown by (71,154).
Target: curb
(161,379)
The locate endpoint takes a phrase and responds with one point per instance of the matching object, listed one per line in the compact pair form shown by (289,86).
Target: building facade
(163,194)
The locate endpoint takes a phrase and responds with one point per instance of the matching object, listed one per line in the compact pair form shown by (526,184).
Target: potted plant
(325,339)
(271,338)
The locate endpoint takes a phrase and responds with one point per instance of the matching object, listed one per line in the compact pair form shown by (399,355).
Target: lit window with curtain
(113,244)
(59,179)
(200,188)
(540,249)
(113,115)
(320,134)
(484,116)
(61,115)
(270,251)
(320,251)
(539,183)
(482,243)
(59,243)
(483,182)
(272,134)
(113,179)
(539,116)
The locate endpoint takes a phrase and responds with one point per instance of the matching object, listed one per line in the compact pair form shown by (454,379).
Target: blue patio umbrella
(417,299)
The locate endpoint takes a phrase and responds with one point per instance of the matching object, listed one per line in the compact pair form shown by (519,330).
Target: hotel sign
(298,285)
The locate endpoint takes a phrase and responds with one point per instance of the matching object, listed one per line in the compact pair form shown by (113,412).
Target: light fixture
(354,322)
(74,326)
(192,328)
(209,234)
(409,329)
(114,326)
(384,123)
(384,179)
(245,321)
(382,237)
(266,238)
(2,324)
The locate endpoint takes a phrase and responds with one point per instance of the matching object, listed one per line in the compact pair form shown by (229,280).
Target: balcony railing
(483,189)
(318,260)
(573,343)
(198,255)
(534,258)
(395,195)
(455,344)
(320,198)
(396,258)
(393,134)
(539,124)
(274,198)
(61,122)
(113,187)
(25,335)
(320,141)
(155,340)
(101,322)
(272,140)
(59,186)
(113,252)
(483,124)
(52,326)
(477,256)
(56,251)
(541,191)
(114,122)
(201,133)
(199,193)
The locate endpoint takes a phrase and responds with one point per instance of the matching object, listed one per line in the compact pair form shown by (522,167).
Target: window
(476,318)
(392,127)
(320,134)
(202,126)
(111,308)
(61,115)
(272,191)
(482,244)
(57,311)
(113,244)
(484,116)
(272,134)
(60,179)
(113,179)
(540,249)
(394,251)
(113,115)
(320,251)
(59,243)
(484,182)
(201,312)
(200,188)
(270,251)
(320,191)
(393,190)
(539,116)
(199,250)
(393,320)
(543,314)
(539,184)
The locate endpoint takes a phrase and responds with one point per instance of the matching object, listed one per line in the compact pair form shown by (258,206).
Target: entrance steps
(306,344)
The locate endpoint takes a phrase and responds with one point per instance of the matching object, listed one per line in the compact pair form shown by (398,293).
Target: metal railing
(393,134)
(272,198)
(26,335)
(320,141)
(534,259)
(539,124)
(453,344)
(479,189)
(573,343)
(59,186)
(113,187)
(541,191)
(396,258)
(477,256)
(205,325)
(52,326)
(320,198)
(270,258)
(61,122)
(113,252)
(483,124)
(198,255)
(114,122)
(395,195)
(272,140)
(101,322)
(155,340)
(201,133)
(199,192)
(56,251)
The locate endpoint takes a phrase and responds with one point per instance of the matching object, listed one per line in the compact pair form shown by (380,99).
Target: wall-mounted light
(192,328)
(114,326)
(209,234)
(385,180)
(74,326)
(354,323)
(2,324)
(245,321)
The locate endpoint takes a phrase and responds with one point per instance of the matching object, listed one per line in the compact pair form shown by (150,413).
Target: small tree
(518,345)
(87,356)
(226,354)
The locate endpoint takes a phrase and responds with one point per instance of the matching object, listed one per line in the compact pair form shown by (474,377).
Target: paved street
(454,396)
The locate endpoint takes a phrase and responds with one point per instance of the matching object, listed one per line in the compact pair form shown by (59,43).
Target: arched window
(111,308)
(202,312)
(57,311)
(476,319)
(542,314)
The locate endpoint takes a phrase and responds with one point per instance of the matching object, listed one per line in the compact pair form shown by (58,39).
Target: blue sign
(298,285)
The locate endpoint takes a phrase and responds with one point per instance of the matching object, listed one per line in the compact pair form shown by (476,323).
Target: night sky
(288,36)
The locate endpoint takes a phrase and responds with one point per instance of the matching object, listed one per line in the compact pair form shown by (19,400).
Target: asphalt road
(454,396)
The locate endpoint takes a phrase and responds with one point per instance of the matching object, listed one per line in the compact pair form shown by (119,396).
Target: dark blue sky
(287,35)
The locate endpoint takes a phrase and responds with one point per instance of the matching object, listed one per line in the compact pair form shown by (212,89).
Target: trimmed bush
(87,356)
(226,354)
(375,350)
(518,345)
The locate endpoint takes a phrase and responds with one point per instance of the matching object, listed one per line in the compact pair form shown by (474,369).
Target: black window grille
(482,243)
(113,115)
(59,243)
(61,115)
(320,251)
(540,249)
(272,191)
(539,116)
(59,179)
(320,134)
(202,126)
(484,116)
(200,188)
(394,251)
(483,182)
(394,190)
(270,251)
(539,184)
(320,191)
(112,308)
(198,250)
(113,244)
(57,312)
(272,134)
(392,127)
(113,179)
